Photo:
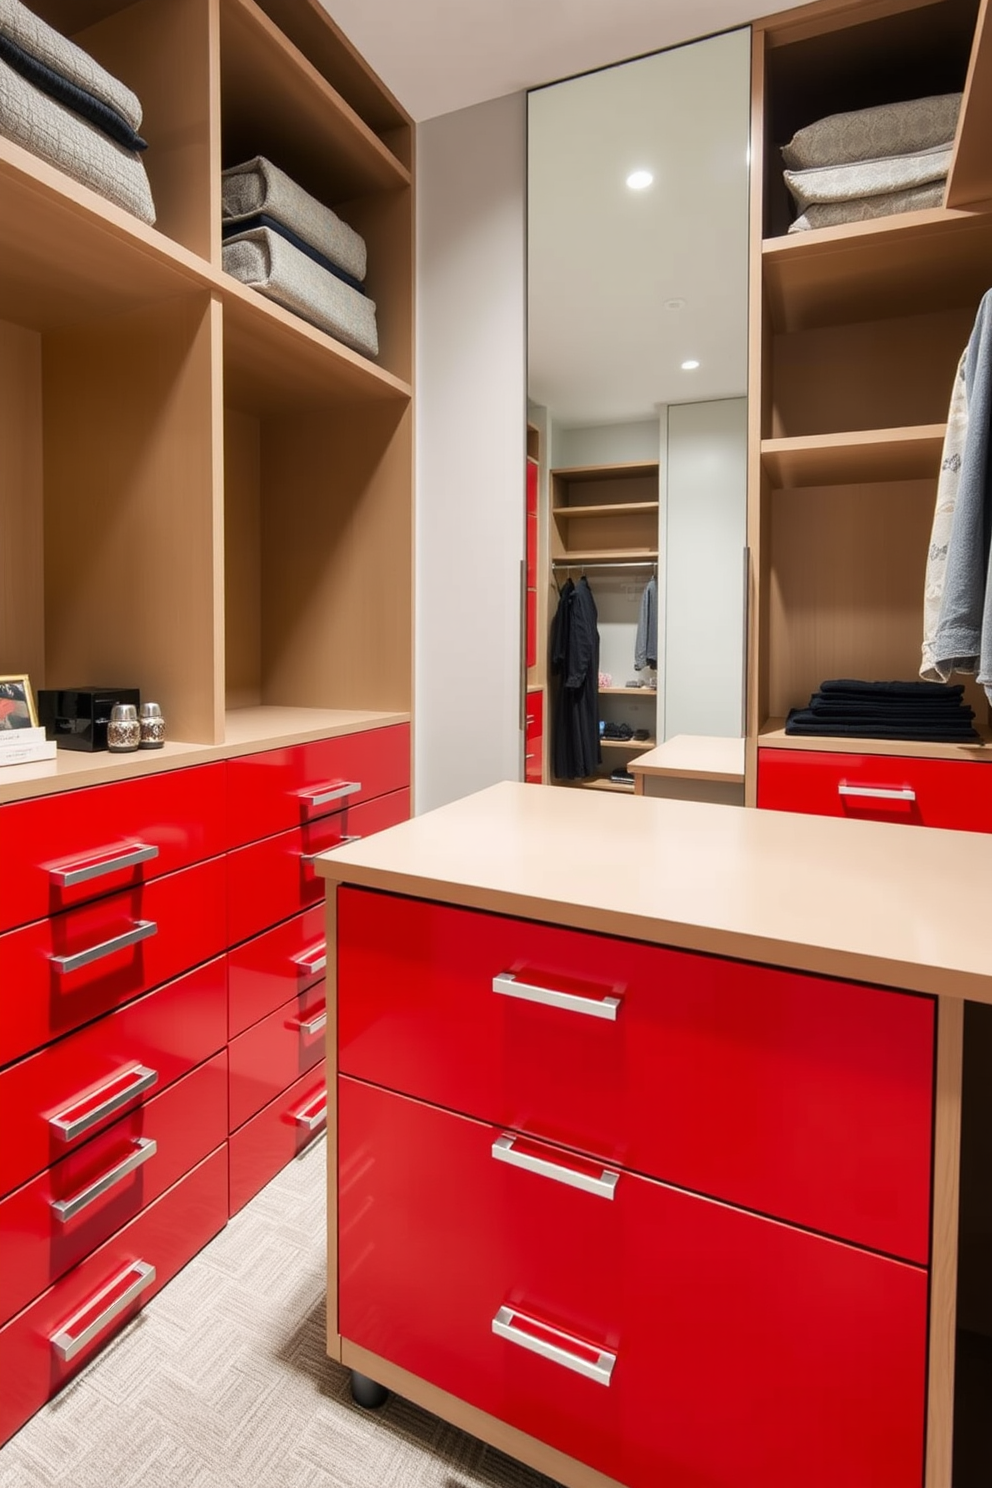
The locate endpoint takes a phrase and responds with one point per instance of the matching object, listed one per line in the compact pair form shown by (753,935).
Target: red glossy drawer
(281,788)
(531,647)
(270,1057)
(534,738)
(747,1354)
(186,911)
(532,551)
(275,878)
(532,477)
(793,1095)
(163,1034)
(877,787)
(67,848)
(265,972)
(49,1224)
(164,1236)
(279,1132)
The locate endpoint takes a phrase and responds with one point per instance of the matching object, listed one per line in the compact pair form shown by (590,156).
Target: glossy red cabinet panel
(534,739)
(272,1055)
(747,1354)
(164,1236)
(266,971)
(792,1095)
(877,787)
(282,788)
(276,878)
(276,1135)
(64,849)
(167,1032)
(186,911)
(532,479)
(56,1219)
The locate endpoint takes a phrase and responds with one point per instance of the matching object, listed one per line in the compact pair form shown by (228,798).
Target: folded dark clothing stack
(920,711)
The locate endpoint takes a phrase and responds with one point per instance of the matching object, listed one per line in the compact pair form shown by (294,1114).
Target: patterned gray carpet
(222,1382)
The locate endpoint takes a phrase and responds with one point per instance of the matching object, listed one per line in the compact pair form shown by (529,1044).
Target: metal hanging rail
(599,563)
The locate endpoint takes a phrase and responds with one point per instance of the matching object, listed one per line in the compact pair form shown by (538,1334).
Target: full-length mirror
(637,375)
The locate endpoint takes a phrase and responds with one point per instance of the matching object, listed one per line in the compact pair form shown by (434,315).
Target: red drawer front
(534,737)
(270,1140)
(267,971)
(149,1150)
(748,1354)
(268,792)
(166,1033)
(793,1095)
(531,647)
(270,1057)
(276,878)
(187,909)
(532,550)
(917,792)
(532,474)
(54,845)
(165,1235)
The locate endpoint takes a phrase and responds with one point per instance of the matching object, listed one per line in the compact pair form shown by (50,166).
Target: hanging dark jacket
(575,748)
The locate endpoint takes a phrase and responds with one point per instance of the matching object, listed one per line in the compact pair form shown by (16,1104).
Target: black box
(77,717)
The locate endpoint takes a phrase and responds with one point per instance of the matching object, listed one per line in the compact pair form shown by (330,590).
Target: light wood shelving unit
(203,495)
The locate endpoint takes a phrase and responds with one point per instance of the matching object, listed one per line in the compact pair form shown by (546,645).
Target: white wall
(471,429)
(606,444)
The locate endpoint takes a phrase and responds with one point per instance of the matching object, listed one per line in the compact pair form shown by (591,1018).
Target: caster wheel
(366,1392)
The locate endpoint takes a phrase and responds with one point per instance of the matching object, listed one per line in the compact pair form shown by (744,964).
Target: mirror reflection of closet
(637,376)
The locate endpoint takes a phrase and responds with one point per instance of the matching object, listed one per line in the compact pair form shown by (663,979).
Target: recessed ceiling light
(675,304)
(689,366)
(638,179)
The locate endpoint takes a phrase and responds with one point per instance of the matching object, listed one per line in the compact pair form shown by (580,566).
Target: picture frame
(17,709)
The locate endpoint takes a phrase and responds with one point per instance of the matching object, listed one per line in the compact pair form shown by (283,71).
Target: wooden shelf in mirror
(603,783)
(635,746)
(970,179)
(629,470)
(864,455)
(633,692)
(620,509)
(619,556)
(772,735)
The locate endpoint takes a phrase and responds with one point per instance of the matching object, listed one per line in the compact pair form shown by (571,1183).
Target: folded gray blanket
(869,134)
(265,261)
(57,135)
(259,186)
(866,208)
(844,183)
(42,41)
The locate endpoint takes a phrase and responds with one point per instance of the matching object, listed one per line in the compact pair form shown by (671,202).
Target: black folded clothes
(932,692)
(85,104)
(803,721)
(923,711)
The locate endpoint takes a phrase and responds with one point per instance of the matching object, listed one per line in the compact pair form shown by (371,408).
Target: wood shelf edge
(619,509)
(772,735)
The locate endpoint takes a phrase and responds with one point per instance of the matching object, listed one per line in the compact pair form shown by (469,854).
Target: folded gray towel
(55,134)
(865,208)
(265,261)
(871,133)
(62,55)
(259,186)
(843,183)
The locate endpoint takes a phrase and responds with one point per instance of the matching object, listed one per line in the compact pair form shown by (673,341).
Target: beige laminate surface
(898,905)
(693,757)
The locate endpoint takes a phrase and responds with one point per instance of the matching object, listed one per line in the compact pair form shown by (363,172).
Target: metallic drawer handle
(308,859)
(315,1024)
(66,1209)
(878,792)
(116,1093)
(314,1114)
(604,1186)
(335,791)
(605,1007)
(565,1353)
(312,962)
(79,873)
(68,1343)
(141,930)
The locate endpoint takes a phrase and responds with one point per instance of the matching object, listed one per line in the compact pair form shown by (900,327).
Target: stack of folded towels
(929,711)
(65,108)
(283,242)
(872,162)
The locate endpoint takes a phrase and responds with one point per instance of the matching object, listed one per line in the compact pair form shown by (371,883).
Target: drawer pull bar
(878,792)
(66,1209)
(593,1007)
(67,878)
(313,1115)
(138,932)
(333,791)
(68,1343)
(314,1025)
(308,859)
(604,1186)
(116,1093)
(312,962)
(595,1364)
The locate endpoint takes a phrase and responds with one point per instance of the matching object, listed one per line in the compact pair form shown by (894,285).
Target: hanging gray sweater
(646,640)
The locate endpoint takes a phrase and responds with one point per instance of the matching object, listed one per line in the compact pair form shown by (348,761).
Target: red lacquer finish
(276,1052)
(534,737)
(275,1136)
(948,793)
(748,1354)
(267,792)
(188,910)
(276,878)
(266,971)
(165,1235)
(179,1128)
(169,1031)
(793,1095)
(179,812)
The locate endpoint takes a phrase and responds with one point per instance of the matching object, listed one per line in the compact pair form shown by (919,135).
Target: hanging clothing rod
(618,563)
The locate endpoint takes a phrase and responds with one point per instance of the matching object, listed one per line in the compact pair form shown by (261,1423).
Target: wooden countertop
(899,905)
(693,757)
